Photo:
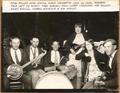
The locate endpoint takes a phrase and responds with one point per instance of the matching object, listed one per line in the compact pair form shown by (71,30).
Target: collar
(14,49)
(54,51)
(113,54)
(32,47)
(79,34)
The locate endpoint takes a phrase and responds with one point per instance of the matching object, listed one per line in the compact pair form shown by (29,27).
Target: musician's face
(109,48)
(89,46)
(35,42)
(78,29)
(15,43)
(55,46)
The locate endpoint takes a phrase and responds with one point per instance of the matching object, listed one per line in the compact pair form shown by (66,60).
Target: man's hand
(38,59)
(34,65)
(86,54)
(103,76)
(72,51)
(12,73)
(99,83)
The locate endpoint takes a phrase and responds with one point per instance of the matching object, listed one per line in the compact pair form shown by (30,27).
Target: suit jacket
(112,76)
(30,67)
(7,59)
(101,60)
(47,60)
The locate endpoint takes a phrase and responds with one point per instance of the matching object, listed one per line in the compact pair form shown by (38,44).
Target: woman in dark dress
(76,40)
(73,46)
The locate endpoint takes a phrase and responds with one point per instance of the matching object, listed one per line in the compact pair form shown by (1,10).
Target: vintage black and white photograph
(59,50)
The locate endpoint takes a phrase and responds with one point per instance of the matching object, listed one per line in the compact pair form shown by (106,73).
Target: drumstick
(61,58)
(52,67)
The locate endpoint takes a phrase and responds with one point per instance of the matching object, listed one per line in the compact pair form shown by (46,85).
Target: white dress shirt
(19,55)
(32,53)
(79,39)
(111,58)
(55,56)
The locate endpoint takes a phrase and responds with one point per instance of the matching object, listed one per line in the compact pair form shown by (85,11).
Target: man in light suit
(15,55)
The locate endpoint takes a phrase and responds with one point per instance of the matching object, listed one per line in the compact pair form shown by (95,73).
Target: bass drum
(53,80)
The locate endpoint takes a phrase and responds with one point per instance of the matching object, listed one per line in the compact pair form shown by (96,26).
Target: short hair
(78,24)
(91,41)
(110,40)
(34,37)
(56,42)
(14,38)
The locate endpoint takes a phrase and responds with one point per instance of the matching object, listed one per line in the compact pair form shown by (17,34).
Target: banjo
(15,71)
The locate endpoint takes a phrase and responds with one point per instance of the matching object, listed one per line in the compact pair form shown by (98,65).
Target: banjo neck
(28,63)
(34,60)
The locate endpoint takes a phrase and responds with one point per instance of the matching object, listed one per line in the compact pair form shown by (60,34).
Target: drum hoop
(51,72)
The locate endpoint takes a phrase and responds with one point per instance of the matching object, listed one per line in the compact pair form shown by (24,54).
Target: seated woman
(94,68)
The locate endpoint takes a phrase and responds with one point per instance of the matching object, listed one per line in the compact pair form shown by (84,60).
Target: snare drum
(53,80)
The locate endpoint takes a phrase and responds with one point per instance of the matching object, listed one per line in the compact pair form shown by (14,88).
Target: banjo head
(16,70)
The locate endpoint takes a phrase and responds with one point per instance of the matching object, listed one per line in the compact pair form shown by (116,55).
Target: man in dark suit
(110,78)
(34,52)
(15,55)
(53,56)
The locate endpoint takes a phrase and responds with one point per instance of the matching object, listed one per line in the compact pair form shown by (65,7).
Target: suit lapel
(22,56)
(10,57)
(39,50)
(114,61)
(28,51)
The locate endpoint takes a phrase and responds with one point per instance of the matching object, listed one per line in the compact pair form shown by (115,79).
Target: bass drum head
(53,80)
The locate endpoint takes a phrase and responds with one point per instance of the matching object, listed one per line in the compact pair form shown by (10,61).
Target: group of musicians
(93,69)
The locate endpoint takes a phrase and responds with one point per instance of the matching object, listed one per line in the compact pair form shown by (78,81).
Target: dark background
(58,25)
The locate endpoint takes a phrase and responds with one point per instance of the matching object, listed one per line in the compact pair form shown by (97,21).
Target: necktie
(34,54)
(16,57)
(110,62)
(56,59)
